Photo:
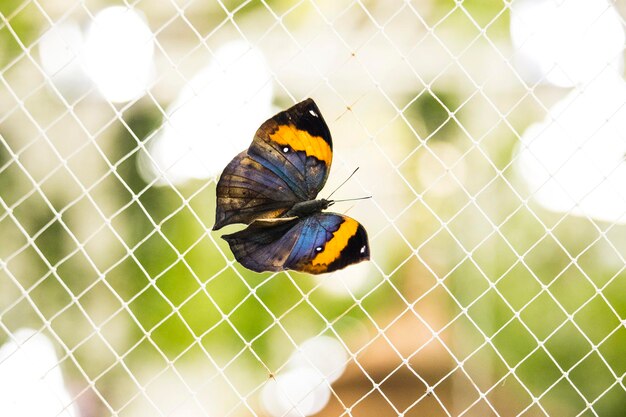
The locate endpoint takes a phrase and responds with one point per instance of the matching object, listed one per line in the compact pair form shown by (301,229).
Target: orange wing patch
(300,140)
(339,241)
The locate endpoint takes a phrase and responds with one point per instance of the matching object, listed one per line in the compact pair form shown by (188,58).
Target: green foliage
(429,115)
(23,28)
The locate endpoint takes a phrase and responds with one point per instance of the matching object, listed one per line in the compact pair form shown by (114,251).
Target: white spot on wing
(363,249)
(313,113)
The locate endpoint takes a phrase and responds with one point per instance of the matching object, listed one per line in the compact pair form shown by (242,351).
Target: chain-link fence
(490,134)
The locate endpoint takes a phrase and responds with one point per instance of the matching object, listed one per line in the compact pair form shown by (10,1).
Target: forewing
(247,190)
(296,146)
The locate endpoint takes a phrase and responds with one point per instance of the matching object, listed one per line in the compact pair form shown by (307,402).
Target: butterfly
(272,186)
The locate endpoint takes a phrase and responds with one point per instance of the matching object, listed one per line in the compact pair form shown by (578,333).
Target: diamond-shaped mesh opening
(492,150)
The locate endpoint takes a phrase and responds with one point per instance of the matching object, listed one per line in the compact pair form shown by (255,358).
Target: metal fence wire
(491,136)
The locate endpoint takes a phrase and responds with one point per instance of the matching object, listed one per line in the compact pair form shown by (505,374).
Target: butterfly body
(305,208)
(273,185)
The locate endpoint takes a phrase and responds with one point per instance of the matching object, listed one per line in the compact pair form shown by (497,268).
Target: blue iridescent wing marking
(322,242)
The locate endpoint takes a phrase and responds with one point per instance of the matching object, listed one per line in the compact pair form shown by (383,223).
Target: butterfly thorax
(306,208)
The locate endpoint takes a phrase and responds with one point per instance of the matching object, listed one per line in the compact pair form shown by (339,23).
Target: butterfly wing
(247,190)
(287,162)
(322,242)
(296,145)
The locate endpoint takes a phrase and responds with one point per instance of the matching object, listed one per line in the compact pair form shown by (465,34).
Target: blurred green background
(499,305)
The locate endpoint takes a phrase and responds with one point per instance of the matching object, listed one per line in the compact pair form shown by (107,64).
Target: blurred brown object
(407,371)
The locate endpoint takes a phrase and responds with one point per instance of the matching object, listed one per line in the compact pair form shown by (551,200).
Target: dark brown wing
(247,190)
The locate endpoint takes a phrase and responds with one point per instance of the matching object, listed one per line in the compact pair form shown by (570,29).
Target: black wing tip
(364,249)
(356,250)
(302,110)
(306,116)
(307,104)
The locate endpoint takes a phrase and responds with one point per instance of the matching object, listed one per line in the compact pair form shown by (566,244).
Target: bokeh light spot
(118,54)
(323,353)
(31,384)
(573,161)
(213,119)
(567,42)
(295,393)
(60,53)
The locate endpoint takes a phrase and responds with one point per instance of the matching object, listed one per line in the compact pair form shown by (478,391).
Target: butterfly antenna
(352,199)
(341,185)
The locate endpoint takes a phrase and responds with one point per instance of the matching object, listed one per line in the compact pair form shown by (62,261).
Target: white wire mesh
(497,273)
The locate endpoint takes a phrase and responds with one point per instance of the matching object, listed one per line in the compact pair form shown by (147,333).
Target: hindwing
(322,242)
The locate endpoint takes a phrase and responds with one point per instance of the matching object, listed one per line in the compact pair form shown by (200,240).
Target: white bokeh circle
(31,383)
(118,53)
(566,42)
(322,353)
(296,393)
(213,119)
(573,161)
